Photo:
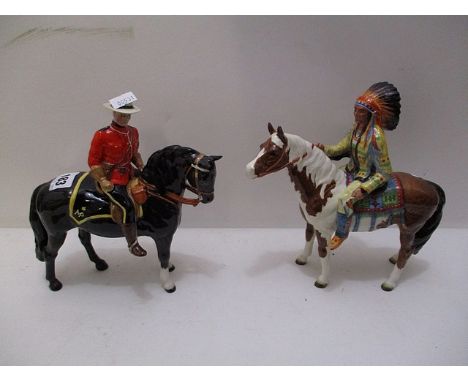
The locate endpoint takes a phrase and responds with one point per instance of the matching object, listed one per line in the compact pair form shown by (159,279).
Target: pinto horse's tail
(40,234)
(425,232)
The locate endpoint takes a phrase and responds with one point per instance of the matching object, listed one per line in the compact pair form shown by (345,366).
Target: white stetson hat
(123,104)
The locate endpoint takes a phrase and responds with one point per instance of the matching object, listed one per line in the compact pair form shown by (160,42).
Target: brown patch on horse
(273,159)
(421,200)
(310,230)
(322,245)
(310,192)
(309,233)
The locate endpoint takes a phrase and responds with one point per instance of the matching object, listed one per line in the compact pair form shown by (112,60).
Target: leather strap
(169,197)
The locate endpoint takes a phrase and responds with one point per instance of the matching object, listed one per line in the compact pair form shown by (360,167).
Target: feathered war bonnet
(383,101)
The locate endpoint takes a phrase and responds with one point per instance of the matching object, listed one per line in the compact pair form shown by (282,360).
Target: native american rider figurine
(369,167)
(112,152)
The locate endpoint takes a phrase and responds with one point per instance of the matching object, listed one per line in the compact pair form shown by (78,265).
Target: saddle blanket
(380,209)
(86,202)
(381,200)
(367,222)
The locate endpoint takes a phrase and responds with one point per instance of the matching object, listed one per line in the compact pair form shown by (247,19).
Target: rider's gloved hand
(106,185)
(320,146)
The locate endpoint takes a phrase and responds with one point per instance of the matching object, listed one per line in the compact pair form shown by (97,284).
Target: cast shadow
(355,262)
(125,270)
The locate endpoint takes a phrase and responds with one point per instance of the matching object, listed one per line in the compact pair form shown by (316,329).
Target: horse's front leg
(324,254)
(164,253)
(309,236)
(85,238)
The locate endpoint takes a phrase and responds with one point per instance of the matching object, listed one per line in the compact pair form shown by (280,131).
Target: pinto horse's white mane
(321,168)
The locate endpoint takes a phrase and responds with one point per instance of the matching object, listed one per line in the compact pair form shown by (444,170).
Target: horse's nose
(250,170)
(207,198)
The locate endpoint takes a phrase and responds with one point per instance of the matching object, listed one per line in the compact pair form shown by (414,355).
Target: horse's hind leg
(406,249)
(51,251)
(85,238)
(304,256)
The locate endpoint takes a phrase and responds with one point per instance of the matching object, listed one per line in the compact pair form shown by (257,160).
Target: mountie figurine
(112,152)
(365,197)
(114,200)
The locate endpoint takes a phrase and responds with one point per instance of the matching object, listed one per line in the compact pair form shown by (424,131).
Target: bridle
(283,153)
(174,198)
(195,166)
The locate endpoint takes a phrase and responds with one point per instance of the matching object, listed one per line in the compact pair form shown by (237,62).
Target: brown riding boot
(130,232)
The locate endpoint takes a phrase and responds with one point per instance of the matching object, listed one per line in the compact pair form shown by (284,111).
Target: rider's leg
(130,232)
(343,215)
(120,198)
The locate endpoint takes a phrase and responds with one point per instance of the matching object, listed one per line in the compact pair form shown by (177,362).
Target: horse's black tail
(40,234)
(425,232)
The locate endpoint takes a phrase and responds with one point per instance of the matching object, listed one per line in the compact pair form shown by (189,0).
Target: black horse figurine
(72,201)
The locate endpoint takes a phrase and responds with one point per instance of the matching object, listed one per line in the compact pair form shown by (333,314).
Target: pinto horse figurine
(319,181)
(73,201)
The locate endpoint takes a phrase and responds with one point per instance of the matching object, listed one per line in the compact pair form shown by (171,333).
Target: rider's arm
(136,159)
(95,150)
(379,158)
(95,163)
(341,149)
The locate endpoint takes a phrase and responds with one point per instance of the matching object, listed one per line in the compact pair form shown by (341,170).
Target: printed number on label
(122,100)
(63,181)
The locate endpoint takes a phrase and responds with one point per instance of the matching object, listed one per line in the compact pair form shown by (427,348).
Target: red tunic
(115,146)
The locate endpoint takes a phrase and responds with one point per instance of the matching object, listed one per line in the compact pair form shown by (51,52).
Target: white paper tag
(63,181)
(122,100)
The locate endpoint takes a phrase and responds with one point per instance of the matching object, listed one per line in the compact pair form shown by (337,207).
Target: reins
(173,198)
(283,153)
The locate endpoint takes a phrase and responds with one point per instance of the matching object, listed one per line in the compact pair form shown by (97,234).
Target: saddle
(85,188)
(137,192)
(384,199)
(381,208)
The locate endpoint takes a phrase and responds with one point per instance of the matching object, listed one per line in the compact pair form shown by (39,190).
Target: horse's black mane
(170,153)
(164,165)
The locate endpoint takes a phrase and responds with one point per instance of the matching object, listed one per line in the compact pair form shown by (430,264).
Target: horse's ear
(216,157)
(271,129)
(281,135)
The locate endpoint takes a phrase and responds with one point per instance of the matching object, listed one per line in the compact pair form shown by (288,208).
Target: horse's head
(201,176)
(273,155)
(175,168)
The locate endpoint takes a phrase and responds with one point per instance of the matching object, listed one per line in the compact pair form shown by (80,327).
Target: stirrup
(136,250)
(335,242)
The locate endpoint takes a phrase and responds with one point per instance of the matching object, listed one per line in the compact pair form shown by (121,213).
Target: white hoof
(301,260)
(166,281)
(388,286)
(321,282)
(169,288)
(392,281)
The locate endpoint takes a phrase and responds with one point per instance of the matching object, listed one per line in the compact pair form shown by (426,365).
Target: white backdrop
(213,83)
